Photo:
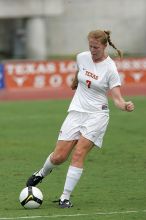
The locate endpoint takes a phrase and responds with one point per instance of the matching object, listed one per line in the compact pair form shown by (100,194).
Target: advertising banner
(132,70)
(40,74)
(59,74)
(1,76)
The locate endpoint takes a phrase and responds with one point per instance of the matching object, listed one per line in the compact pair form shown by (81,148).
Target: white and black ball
(31,197)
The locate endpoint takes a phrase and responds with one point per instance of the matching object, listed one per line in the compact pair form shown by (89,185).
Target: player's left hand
(129,106)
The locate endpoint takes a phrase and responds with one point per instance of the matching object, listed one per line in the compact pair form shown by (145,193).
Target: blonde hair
(104,37)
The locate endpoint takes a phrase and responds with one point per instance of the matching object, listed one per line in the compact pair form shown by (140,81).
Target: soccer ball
(31,197)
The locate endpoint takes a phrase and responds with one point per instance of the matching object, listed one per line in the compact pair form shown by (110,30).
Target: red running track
(39,94)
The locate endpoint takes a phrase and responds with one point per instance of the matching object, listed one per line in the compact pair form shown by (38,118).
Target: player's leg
(75,170)
(62,151)
(60,154)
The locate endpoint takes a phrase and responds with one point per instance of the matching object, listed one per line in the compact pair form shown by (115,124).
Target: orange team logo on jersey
(91,75)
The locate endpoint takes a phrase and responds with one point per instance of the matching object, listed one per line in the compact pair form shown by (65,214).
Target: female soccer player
(88,113)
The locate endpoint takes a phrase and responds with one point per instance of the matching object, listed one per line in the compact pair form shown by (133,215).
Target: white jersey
(94,80)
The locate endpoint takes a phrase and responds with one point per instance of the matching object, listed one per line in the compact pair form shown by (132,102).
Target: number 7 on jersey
(88,82)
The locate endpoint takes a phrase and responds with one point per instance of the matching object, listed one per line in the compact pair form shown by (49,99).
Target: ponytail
(111,44)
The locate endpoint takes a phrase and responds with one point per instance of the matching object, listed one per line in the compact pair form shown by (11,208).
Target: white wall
(66,33)
(125,18)
(29,8)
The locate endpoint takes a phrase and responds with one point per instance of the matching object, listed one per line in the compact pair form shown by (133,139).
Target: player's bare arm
(119,101)
(75,82)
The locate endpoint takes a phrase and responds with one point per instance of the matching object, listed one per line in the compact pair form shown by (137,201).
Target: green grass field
(113,185)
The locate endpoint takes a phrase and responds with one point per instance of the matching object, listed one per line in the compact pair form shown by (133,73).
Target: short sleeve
(114,78)
(78,59)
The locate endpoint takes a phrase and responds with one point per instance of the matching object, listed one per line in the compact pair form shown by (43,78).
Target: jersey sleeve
(114,78)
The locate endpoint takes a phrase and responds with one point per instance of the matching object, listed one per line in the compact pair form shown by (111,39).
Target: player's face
(97,49)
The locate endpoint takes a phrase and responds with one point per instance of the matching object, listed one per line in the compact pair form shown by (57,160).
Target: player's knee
(58,159)
(77,156)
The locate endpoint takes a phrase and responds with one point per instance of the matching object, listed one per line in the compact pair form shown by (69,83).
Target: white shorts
(90,125)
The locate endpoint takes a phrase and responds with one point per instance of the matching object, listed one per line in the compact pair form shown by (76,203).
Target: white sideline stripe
(73,215)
